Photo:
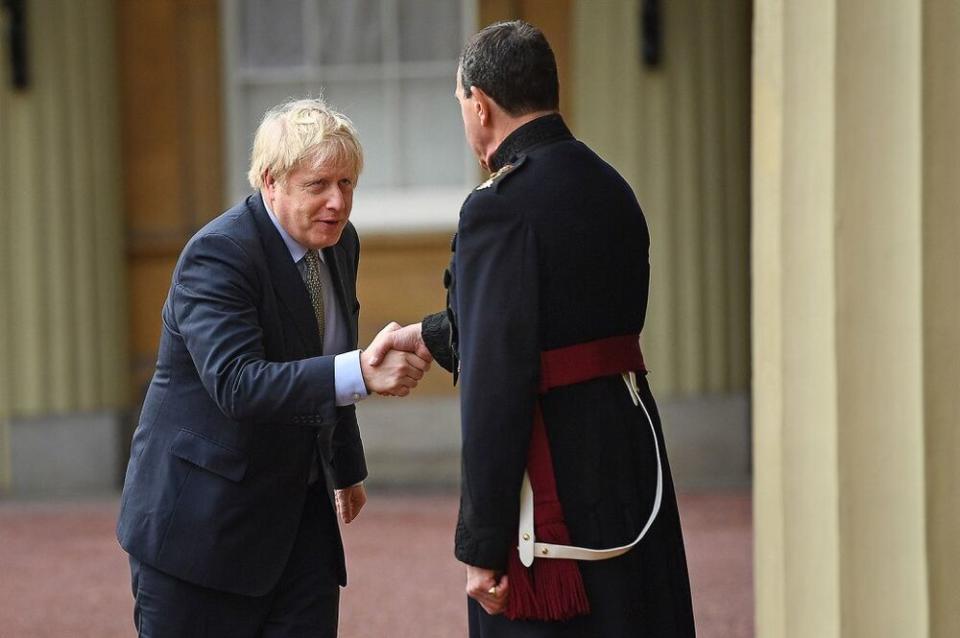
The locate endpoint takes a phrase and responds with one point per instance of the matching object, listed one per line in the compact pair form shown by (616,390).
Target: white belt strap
(529,548)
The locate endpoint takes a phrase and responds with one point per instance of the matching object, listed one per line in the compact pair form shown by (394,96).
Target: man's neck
(502,131)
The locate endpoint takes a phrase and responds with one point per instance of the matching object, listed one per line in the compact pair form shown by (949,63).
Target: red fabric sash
(552,589)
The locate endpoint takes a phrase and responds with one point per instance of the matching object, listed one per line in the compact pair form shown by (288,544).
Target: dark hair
(512,63)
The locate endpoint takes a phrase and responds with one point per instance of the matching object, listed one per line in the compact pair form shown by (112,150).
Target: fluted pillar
(941,307)
(63,330)
(856,345)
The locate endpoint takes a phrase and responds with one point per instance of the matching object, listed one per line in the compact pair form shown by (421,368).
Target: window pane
(429,30)
(363,102)
(350,32)
(432,142)
(271,33)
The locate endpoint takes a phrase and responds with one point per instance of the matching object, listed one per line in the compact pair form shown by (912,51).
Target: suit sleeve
(349,463)
(215,301)
(497,295)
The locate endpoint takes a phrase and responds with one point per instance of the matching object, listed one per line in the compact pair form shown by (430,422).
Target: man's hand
(350,501)
(489,588)
(407,339)
(396,372)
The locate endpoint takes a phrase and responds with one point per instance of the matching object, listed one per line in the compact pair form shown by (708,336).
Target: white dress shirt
(347,376)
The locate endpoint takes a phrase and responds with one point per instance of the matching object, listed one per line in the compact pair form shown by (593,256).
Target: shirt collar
(297,250)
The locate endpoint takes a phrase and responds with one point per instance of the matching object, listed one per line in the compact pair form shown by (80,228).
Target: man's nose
(335,199)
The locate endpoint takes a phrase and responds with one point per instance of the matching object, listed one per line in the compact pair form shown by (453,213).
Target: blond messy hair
(299,131)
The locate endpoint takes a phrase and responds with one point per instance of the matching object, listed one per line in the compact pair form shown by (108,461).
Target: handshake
(395,360)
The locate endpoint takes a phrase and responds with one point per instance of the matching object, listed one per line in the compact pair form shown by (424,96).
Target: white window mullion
(391,78)
(234,105)
(311,38)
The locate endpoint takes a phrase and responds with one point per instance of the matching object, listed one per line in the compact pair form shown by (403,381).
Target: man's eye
(346,183)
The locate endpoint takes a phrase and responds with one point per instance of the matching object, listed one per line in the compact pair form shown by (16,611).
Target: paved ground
(62,573)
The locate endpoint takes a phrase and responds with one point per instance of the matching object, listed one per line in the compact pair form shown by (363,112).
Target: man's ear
(483,105)
(268,181)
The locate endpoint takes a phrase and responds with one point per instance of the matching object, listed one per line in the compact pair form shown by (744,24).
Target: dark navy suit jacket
(239,405)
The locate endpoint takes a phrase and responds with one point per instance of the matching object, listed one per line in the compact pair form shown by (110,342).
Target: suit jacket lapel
(335,258)
(286,278)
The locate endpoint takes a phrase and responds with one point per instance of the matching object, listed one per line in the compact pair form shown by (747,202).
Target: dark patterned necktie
(315,288)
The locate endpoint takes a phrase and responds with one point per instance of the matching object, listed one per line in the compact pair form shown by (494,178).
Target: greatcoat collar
(543,130)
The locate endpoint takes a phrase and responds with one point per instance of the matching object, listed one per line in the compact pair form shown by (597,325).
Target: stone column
(941,309)
(855,366)
(63,315)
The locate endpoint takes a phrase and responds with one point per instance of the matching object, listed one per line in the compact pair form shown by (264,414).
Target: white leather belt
(529,547)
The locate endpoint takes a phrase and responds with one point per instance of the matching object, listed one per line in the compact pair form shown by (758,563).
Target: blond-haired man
(248,427)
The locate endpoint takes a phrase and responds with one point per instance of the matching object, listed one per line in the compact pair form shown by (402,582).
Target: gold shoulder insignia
(506,168)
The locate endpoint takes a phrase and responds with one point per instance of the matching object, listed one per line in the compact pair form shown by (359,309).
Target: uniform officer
(547,292)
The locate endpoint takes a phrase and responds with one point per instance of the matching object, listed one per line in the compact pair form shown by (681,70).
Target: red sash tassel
(553,589)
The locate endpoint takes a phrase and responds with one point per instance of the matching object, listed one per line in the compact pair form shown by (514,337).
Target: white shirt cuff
(348,378)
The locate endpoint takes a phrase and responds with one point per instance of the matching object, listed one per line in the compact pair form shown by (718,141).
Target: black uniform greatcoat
(552,252)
